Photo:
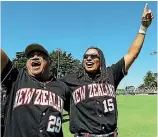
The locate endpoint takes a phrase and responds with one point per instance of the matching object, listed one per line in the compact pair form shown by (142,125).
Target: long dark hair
(82,73)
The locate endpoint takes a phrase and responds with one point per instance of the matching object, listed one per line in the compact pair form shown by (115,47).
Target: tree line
(64,63)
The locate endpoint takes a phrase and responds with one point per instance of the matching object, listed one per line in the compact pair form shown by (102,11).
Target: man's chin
(36,74)
(90,70)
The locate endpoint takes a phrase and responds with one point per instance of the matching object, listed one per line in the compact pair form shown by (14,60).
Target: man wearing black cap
(35,99)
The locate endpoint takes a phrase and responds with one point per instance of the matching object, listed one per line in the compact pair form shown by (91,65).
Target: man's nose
(35,57)
(89,58)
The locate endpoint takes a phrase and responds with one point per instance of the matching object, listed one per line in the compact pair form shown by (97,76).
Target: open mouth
(89,64)
(36,64)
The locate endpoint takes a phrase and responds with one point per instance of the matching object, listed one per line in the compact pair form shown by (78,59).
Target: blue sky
(74,26)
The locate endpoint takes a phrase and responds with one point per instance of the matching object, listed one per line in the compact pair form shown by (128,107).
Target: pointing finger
(146,7)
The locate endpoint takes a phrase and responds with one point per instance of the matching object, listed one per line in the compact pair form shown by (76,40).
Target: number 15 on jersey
(108,105)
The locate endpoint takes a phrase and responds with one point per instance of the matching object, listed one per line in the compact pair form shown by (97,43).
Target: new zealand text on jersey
(41,97)
(94,90)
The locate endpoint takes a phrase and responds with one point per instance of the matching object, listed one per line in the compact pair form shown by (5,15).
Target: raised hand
(147,16)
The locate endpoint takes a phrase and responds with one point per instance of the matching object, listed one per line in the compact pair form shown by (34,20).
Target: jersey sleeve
(9,75)
(67,99)
(118,71)
(69,80)
(65,79)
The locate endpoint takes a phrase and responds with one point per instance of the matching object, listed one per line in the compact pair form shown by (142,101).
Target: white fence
(151,90)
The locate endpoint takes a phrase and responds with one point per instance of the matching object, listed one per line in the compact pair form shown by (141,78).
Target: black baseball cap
(35,47)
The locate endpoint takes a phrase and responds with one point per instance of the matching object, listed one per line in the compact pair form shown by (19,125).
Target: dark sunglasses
(92,56)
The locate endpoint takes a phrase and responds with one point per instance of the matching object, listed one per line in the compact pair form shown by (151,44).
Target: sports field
(137,117)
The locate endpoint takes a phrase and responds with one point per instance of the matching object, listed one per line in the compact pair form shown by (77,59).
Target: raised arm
(4,60)
(136,46)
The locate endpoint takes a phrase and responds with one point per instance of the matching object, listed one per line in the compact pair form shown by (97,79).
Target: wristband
(142,30)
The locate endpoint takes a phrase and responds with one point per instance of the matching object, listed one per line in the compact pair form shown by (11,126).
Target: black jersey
(33,109)
(93,103)
(3,100)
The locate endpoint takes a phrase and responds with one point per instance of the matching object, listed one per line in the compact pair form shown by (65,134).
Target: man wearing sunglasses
(93,110)
(35,99)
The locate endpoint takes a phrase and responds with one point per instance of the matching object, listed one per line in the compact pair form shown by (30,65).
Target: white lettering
(28,95)
(91,94)
(95,91)
(44,97)
(21,96)
(37,99)
(99,90)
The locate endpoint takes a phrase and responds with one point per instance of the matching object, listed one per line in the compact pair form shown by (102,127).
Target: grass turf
(137,117)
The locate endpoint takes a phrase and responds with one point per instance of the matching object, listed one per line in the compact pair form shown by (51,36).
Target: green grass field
(137,117)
